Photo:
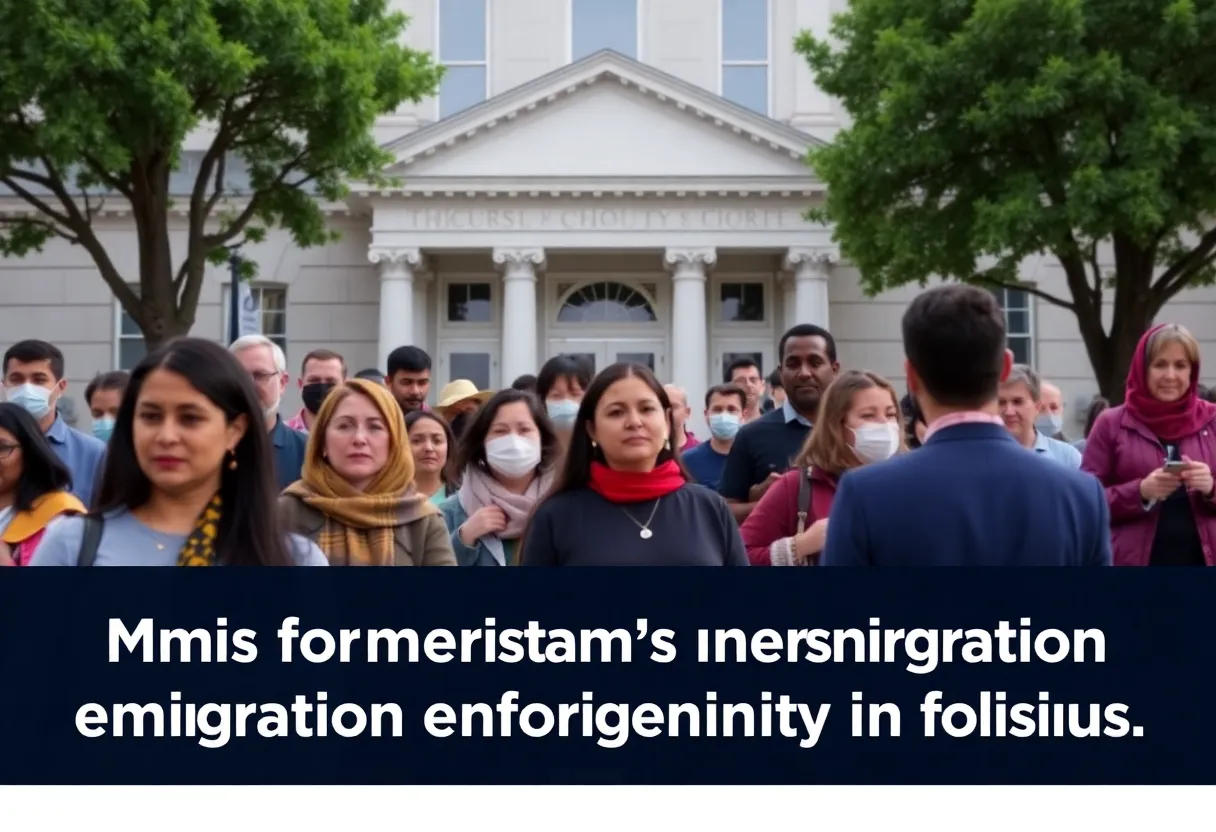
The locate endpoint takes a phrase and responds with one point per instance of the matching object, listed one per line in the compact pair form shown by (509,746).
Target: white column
(810,265)
(689,328)
(422,310)
(788,301)
(519,267)
(397,268)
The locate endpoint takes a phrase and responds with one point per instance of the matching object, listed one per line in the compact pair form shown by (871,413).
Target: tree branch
(50,227)
(222,238)
(987,279)
(1096,294)
(108,179)
(1175,277)
(9,181)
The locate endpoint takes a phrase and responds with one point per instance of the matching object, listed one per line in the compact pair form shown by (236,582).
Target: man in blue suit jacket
(971,495)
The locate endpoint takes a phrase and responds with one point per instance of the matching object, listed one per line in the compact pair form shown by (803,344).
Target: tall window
(462,51)
(603,24)
(274,314)
(745,53)
(131,346)
(1019,330)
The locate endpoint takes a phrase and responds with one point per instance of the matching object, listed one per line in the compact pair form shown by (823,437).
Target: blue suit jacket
(971,496)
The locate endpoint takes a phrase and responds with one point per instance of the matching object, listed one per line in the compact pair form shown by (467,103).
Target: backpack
(94,525)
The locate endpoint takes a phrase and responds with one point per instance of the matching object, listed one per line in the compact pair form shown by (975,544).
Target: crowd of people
(191,462)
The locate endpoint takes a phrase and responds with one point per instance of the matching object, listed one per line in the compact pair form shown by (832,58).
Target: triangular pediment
(606,119)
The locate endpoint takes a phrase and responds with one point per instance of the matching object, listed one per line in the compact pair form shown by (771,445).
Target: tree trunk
(159,317)
(1111,354)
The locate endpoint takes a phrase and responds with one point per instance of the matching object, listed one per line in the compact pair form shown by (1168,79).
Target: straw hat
(458,391)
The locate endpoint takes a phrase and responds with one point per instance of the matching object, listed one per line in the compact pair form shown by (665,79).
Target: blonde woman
(356,498)
(1154,454)
(859,422)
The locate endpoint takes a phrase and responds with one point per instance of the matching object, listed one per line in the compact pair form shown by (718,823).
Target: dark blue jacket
(971,496)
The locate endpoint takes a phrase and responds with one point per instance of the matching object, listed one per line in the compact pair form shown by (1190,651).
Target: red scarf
(633,487)
(1169,421)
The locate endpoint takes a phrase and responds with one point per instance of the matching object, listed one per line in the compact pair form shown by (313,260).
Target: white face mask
(1048,423)
(875,443)
(512,455)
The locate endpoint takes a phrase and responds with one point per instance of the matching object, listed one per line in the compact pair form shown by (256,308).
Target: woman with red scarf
(1155,454)
(623,499)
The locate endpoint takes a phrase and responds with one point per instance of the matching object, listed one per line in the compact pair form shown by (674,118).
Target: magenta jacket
(1120,451)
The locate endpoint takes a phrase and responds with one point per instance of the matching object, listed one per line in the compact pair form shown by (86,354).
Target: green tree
(97,97)
(987,131)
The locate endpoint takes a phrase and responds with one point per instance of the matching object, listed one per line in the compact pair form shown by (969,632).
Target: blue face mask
(563,412)
(723,426)
(103,428)
(34,399)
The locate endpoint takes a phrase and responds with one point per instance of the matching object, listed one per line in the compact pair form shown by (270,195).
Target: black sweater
(691,527)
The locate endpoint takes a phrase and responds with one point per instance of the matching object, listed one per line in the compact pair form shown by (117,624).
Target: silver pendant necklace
(645,532)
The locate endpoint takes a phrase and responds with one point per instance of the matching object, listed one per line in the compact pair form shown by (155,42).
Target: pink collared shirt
(297,422)
(966,417)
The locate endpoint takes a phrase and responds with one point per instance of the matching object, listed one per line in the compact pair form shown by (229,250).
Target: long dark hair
(42,472)
(249,531)
(450,474)
(1096,408)
(472,451)
(580,454)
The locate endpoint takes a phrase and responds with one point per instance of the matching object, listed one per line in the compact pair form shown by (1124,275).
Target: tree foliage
(987,131)
(98,96)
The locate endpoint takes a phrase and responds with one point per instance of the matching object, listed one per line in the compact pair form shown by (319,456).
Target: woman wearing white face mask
(859,423)
(506,454)
(560,385)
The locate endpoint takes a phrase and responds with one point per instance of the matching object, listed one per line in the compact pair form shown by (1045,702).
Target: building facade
(618,179)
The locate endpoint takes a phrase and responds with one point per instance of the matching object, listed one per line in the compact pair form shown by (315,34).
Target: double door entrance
(600,353)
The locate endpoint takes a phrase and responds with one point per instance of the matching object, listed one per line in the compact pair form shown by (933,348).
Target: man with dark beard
(763,448)
(409,377)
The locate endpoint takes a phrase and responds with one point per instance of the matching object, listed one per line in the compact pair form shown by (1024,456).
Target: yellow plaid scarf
(360,526)
(199,549)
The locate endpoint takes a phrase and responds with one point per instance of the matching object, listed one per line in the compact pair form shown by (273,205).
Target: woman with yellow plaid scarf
(188,480)
(356,497)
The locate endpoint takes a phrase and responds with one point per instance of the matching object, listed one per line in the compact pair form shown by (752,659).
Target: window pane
(462,30)
(475,366)
(646,359)
(469,303)
(1020,347)
(741,302)
(603,24)
(729,358)
(1017,323)
(127,325)
(747,86)
(461,88)
(130,352)
(745,30)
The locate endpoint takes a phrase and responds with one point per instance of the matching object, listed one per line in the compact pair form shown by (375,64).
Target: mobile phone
(1175,466)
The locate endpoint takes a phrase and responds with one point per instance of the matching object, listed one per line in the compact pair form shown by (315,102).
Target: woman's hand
(811,542)
(1197,477)
(486,520)
(1159,485)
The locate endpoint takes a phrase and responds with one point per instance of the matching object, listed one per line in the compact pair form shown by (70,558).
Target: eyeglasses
(263,378)
(6,450)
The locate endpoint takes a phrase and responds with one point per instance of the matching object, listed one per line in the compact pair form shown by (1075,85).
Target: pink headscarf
(1169,421)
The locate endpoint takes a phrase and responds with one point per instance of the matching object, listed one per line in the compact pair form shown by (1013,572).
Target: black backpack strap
(804,499)
(94,525)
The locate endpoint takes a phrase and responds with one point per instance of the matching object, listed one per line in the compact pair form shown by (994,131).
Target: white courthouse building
(621,179)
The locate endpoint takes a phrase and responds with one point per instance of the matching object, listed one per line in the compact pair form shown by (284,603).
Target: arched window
(606,303)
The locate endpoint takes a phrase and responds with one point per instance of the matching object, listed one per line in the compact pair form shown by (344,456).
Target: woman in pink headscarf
(1155,454)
